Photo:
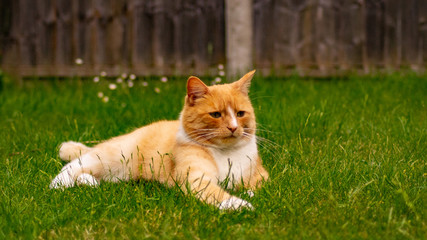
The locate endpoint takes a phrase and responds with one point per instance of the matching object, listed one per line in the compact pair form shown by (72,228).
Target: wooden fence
(326,36)
(145,37)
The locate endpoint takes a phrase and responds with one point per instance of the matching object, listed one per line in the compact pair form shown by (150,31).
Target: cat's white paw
(235,203)
(87,179)
(62,180)
(250,193)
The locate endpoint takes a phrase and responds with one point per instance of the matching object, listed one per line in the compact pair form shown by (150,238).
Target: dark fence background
(323,36)
(145,37)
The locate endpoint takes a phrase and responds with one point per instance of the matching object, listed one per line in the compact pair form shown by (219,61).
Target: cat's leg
(72,150)
(207,190)
(200,174)
(107,162)
(81,171)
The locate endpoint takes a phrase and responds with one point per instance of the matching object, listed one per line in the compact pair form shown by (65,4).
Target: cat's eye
(215,114)
(240,114)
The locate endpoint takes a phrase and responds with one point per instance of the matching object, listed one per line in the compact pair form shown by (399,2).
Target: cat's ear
(244,83)
(195,89)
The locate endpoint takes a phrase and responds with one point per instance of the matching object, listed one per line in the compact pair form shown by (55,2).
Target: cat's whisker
(206,136)
(261,130)
(262,126)
(265,140)
(270,149)
(200,132)
(265,143)
(204,129)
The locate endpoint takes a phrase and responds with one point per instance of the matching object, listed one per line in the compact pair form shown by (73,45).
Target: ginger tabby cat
(213,141)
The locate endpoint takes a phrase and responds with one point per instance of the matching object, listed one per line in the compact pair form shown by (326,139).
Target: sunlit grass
(346,159)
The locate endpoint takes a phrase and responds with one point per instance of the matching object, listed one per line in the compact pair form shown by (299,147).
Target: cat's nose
(232,129)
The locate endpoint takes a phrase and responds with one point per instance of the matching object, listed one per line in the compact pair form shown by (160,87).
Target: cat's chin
(231,142)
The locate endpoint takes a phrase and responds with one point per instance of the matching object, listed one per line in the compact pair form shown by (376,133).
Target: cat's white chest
(234,165)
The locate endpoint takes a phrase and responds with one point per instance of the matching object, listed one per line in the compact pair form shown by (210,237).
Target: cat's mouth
(231,137)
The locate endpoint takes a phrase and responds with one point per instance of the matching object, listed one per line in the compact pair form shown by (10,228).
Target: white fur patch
(64,179)
(234,203)
(87,179)
(250,193)
(233,122)
(235,163)
(182,136)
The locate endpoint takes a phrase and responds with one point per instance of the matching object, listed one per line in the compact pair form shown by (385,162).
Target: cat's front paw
(62,180)
(250,193)
(87,179)
(235,203)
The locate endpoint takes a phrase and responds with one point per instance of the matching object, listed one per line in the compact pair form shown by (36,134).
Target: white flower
(112,86)
(100,94)
(164,79)
(218,79)
(124,75)
(144,84)
(96,79)
(157,90)
(105,99)
(79,61)
(130,84)
(103,74)
(119,80)
(132,77)
(220,67)
(221,73)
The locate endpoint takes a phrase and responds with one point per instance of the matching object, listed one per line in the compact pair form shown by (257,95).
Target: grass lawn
(346,157)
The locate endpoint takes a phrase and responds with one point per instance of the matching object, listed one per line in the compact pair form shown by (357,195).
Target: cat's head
(220,116)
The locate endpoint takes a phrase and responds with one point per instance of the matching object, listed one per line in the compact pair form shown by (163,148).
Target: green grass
(346,157)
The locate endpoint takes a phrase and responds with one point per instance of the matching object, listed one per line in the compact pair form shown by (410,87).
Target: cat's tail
(72,150)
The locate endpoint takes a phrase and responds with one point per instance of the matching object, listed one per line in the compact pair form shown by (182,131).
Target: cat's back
(161,129)
(159,136)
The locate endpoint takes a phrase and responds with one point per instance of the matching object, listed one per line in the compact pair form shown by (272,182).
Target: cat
(213,142)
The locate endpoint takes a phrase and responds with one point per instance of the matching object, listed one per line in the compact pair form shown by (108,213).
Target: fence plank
(325,45)
(11,56)
(116,36)
(185,19)
(410,33)
(26,37)
(392,34)
(306,35)
(85,30)
(46,22)
(217,33)
(5,24)
(143,27)
(374,33)
(350,34)
(163,46)
(64,31)
(422,26)
(264,25)
(201,41)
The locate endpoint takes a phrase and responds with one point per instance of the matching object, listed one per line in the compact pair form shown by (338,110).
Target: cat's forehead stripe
(233,122)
